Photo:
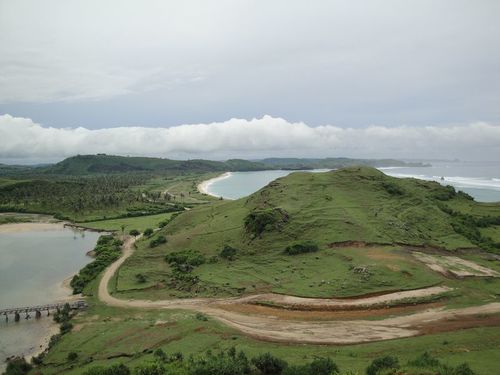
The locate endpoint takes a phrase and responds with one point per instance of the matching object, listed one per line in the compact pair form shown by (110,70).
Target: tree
(148,232)
(72,356)
(134,232)
(268,364)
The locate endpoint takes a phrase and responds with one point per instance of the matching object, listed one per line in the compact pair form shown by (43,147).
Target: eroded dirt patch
(454,266)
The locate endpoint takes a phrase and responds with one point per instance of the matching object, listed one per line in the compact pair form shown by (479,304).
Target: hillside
(105,164)
(101,164)
(334,163)
(335,215)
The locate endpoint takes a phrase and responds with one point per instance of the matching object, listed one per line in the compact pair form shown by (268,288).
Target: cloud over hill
(256,138)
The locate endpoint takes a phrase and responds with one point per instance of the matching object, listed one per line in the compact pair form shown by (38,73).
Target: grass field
(140,223)
(105,335)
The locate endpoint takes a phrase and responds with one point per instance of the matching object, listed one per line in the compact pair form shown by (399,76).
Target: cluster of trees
(259,221)
(468,226)
(232,362)
(107,250)
(70,196)
(182,263)
(301,248)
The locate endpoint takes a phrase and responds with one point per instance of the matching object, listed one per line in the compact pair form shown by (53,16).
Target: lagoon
(35,259)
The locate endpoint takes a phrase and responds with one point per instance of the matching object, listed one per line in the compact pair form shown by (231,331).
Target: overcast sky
(407,79)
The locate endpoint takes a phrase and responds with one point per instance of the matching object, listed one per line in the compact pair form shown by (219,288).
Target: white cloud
(256,138)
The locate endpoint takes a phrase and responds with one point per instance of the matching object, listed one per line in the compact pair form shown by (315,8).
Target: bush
(148,232)
(383,363)
(157,241)
(119,369)
(424,360)
(141,279)
(17,366)
(392,188)
(301,248)
(259,221)
(65,327)
(267,364)
(319,366)
(134,232)
(72,356)
(228,252)
(185,261)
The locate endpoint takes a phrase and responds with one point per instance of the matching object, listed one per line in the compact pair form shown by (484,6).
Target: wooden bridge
(17,311)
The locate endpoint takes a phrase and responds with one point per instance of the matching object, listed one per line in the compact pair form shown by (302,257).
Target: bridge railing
(50,306)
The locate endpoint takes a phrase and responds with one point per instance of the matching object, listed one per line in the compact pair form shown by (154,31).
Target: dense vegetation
(233,362)
(105,164)
(302,248)
(107,250)
(77,197)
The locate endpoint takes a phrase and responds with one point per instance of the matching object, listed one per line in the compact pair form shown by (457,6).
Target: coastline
(46,327)
(204,185)
(30,227)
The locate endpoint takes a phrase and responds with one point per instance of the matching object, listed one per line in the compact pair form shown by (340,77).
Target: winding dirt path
(318,332)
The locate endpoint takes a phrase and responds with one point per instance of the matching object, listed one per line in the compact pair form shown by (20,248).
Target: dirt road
(320,332)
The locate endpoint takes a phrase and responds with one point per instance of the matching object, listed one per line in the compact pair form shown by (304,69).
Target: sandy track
(318,332)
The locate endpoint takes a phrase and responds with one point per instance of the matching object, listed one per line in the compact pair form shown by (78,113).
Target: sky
(242,78)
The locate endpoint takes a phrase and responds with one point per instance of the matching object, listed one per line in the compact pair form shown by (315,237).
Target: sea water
(479,179)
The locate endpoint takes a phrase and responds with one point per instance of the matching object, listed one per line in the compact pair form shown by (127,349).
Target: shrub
(72,356)
(319,366)
(259,221)
(158,241)
(424,360)
(148,232)
(268,364)
(119,369)
(141,279)
(65,327)
(134,232)
(301,248)
(17,366)
(228,252)
(383,363)
(185,261)
(392,188)
(201,317)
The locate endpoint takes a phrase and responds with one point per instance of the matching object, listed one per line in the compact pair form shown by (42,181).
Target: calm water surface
(33,266)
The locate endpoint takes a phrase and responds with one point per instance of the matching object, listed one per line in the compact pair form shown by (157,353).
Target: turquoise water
(33,266)
(479,179)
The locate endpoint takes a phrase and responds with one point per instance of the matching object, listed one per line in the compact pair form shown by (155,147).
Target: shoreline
(62,290)
(204,185)
(30,227)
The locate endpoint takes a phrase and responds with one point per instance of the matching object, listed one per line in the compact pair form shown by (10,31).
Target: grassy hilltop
(244,246)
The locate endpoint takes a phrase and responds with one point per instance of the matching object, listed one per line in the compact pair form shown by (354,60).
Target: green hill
(101,164)
(105,164)
(331,217)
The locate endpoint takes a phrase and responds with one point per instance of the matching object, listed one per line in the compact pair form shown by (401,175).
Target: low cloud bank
(21,138)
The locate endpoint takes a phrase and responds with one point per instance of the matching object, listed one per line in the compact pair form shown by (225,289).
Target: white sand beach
(204,186)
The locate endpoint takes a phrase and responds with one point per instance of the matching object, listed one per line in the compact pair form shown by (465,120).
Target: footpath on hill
(346,331)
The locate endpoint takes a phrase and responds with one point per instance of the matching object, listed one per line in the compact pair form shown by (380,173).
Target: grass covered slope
(298,235)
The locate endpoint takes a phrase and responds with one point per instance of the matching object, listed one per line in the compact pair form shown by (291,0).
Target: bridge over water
(17,311)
